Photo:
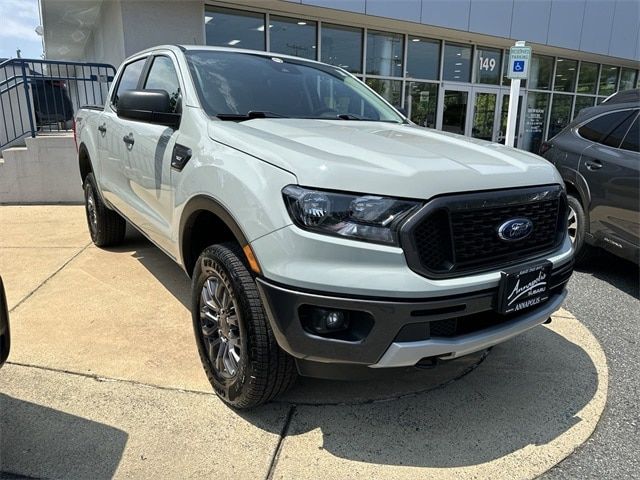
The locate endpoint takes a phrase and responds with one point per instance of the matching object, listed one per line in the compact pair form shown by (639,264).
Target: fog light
(325,321)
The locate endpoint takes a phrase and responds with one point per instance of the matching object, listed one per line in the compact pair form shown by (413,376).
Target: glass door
(485,114)
(453,111)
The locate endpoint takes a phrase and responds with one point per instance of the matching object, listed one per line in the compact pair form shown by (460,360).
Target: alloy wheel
(220,326)
(92,213)
(572,225)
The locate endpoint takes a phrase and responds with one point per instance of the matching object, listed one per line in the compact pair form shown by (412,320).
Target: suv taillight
(545,147)
(75,137)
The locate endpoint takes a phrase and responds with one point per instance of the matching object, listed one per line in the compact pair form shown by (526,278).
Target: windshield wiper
(249,115)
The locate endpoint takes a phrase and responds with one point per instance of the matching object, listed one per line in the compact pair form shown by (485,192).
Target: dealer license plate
(524,287)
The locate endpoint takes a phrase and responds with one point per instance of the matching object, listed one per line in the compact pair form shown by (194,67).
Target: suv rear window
(601,128)
(632,140)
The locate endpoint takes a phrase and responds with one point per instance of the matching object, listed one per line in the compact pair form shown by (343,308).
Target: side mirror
(151,106)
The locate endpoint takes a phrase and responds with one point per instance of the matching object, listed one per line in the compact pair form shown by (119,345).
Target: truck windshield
(240,86)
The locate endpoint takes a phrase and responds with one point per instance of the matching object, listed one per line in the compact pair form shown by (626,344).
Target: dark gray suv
(599,159)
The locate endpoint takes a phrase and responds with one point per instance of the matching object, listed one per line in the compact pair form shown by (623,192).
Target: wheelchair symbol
(518,66)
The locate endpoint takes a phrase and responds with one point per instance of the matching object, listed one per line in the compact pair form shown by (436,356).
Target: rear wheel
(107,228)
(576,229)
(238,350)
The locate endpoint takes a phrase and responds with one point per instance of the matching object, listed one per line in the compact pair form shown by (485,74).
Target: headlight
(362,217)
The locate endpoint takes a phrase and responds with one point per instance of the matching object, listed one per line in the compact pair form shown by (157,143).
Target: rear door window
(129,78)
(632,140)
(600,128)
(163,76)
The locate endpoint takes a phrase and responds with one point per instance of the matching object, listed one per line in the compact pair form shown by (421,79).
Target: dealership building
(443,61)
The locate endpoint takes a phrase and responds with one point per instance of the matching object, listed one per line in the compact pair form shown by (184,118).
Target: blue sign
(518,66)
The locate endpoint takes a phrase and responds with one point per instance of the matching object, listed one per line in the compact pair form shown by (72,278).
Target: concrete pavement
(104,378)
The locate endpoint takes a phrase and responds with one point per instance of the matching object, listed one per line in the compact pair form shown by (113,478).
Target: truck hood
(383,158)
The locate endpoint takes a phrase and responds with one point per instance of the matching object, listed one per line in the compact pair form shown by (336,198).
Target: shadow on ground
(69,446)
(528,391)
(619,273)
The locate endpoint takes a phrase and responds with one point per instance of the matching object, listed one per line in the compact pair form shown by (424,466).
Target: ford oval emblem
(515,229)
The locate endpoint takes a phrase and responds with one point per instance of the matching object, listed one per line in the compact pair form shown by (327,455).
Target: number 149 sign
(487,64)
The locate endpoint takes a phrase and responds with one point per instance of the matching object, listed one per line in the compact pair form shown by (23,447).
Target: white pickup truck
(325,234)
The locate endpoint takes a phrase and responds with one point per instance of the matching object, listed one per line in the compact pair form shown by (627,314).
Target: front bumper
(403,330)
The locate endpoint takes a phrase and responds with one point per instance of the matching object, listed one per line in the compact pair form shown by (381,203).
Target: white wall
(106,44)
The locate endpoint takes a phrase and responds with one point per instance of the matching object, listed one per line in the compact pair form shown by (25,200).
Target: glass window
(540,73)
(534,122)
(627,78)
(566,71)
(233,28)
(384,53)
(342,46)
(422,99)
(457,63)
(614,139)
(608,80)
(582,102)
(162,76)
(488,65)
(129,78)
(291,36)
(588,78)
(632,140)
(423,58)
(454,114)
(390,90)
(599,128)
(484,112)
(560,113)
(232,84)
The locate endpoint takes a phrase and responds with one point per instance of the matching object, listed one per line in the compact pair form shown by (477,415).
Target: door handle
(593,164)
(128,139)
(102,128)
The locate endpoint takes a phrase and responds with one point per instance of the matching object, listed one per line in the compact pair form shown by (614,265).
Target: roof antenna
(18,53)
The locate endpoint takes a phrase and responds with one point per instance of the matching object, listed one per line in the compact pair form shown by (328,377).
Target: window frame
(633,122)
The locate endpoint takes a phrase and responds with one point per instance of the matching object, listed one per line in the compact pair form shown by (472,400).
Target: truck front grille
(455,235)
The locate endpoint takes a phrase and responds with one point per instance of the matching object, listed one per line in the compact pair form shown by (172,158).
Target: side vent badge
(181,155)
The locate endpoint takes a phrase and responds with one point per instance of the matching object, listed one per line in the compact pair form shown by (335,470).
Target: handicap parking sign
(519,58)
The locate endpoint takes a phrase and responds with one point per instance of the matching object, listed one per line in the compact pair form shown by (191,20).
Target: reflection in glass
(534,120)
(540,73)
(560,113)
(342,46)
(390,90)
(421,103)
(582,102)
(566,71)
(627,78)
(454,115)
(423,58)
(457,63)
(608,80)
(588,78)
(233,28)
(293,37)
(384,53)
(484,113)
(488,65)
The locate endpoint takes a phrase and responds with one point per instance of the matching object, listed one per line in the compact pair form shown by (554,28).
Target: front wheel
(238,350)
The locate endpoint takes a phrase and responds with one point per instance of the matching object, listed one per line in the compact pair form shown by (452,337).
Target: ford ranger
(324,233)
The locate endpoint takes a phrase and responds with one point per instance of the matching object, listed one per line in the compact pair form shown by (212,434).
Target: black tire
(107,228)
(578,230)
(262,369)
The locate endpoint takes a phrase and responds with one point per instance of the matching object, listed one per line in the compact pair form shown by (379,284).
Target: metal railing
(42,96)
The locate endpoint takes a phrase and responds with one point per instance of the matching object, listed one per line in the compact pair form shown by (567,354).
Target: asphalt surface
(605,296)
